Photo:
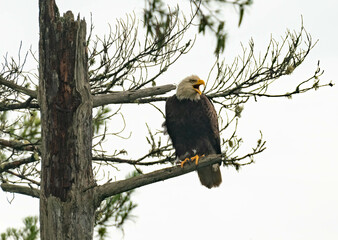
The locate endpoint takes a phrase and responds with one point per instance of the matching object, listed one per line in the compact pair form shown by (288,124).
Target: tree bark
(66,211)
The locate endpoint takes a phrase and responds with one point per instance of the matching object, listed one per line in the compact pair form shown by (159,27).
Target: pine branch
(18,88)
(33,192)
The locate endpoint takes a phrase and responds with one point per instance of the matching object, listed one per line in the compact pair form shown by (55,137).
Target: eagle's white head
(188,88)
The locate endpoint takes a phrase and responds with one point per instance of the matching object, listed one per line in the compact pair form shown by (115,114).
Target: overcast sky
(289,193)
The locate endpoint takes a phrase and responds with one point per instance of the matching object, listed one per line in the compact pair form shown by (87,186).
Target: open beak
(197,85)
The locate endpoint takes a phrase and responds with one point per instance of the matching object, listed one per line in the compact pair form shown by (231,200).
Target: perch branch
(110,189)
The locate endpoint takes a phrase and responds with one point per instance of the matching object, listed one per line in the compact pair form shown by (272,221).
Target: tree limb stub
(33,192)
(110,189)
(131,96)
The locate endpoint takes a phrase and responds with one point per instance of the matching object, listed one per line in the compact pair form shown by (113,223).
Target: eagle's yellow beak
(197,85)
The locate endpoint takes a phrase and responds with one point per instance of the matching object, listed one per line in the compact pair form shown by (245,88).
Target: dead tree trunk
(66,208)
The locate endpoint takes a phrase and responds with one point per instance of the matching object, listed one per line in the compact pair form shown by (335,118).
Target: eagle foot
(194,158)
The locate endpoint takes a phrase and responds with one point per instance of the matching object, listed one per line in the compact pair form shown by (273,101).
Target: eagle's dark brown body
(193,128)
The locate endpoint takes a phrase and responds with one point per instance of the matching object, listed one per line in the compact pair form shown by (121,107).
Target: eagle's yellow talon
(184,161)
(194,158)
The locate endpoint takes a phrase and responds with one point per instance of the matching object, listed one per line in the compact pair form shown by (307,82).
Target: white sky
(291,190)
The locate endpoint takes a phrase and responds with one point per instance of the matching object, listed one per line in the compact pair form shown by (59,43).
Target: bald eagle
(192,125)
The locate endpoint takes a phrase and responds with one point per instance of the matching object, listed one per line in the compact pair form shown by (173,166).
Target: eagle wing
(212,120)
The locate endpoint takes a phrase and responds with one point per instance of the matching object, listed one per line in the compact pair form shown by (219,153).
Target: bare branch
(25,105)
(121,61)
(16,164)
(17,145)
(128,161)
(18,88)
(110,189)
(33,192)
(131,96)
(23,177)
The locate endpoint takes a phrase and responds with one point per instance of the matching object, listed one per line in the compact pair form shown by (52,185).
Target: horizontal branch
(18,88)
(110,189)
(152,99)
(17,145)
(128,161)
(33,192)
(25,105)
(10,165)
(135,96)
(131,96)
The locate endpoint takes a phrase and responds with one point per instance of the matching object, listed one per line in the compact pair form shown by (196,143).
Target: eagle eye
(192,80)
